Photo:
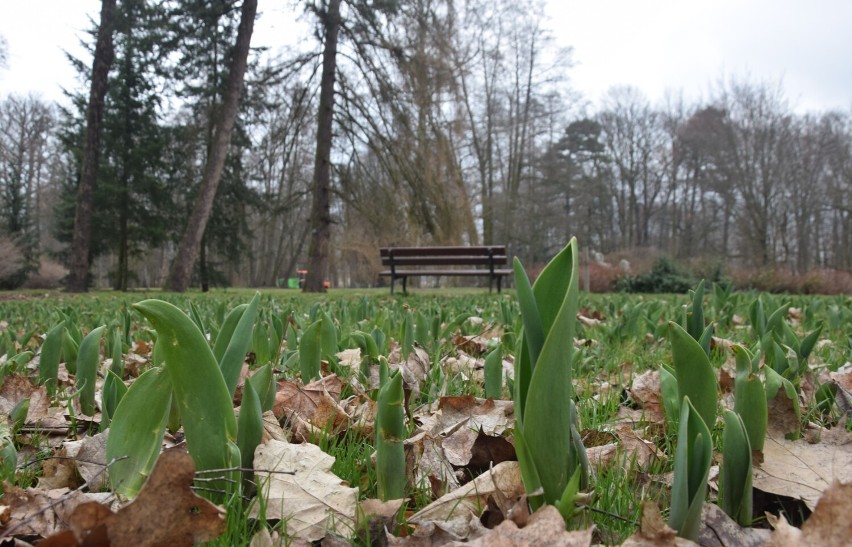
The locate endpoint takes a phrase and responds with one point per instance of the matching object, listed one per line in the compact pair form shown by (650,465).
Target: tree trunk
(321,208)
(190,243)
(77,280)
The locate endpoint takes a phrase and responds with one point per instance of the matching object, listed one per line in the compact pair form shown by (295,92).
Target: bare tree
(190,243)
(321,205)
(77,280)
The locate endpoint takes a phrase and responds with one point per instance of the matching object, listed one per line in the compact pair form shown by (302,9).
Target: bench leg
(490,283)
(405,285)
(499,283)
(393,280)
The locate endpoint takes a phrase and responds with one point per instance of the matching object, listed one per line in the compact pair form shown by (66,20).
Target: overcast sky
(654,45)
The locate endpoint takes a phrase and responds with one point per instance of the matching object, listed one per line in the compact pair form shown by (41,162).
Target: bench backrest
(487,255)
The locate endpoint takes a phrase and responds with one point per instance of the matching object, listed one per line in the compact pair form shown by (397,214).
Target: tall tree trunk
(190,243)
(321,208)
(77,280)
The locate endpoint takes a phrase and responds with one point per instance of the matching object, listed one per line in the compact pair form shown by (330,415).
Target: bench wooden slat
(443,251)
(488,256)
(413,273)
(445,260)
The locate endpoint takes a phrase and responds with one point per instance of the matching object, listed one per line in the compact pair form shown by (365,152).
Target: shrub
(13,267)
(665,276)
(48,276)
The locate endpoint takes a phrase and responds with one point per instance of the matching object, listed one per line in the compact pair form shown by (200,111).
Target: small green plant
(693,457)
(735,496)
(694,373)
(494,373)
(547,441)
(390,434)
(750,398)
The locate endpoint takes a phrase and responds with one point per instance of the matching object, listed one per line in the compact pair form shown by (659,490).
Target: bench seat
(402,261)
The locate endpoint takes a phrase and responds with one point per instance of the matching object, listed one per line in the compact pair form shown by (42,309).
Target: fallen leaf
(374,517)
(312,404)
(631,451)
(166,512)
(349,358)
(645,391)
(36,512)
(474,345)
(802,470)
(466,502)
(545,527)
(312,500)
(653,530)
(720,530)
(425,459)
(828,525)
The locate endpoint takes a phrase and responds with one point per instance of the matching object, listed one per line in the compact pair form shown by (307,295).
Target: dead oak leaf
(803,470)
(166,511)
(36,512)
(828,525)
(312,499)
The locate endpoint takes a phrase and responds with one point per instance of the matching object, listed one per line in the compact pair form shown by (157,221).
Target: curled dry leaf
(312,499)
(653,531)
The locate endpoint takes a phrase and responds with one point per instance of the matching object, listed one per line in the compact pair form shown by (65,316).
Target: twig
(58,502)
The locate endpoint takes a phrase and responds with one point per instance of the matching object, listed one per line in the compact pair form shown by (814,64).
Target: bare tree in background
(190,243)
(77,280)
(321,205)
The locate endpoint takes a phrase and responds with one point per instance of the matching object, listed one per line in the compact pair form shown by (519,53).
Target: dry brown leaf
(59,472)
(449,414)
(802,470)
(91,461)
(425,459)
(349,358)
(313,404)
(783,418)
(720,530)
(166,512)
(36,512)
(588,321)
(653,530)
(464,503)
(545,527)
(474,345)
(645,391)
(828,525)
(312,500)
(374,517)
(14,389)
(272,429)
(631,451)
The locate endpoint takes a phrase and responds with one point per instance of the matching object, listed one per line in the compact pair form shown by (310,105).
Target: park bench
(484,261)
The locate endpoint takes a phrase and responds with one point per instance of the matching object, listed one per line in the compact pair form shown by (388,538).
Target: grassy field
(619,337)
